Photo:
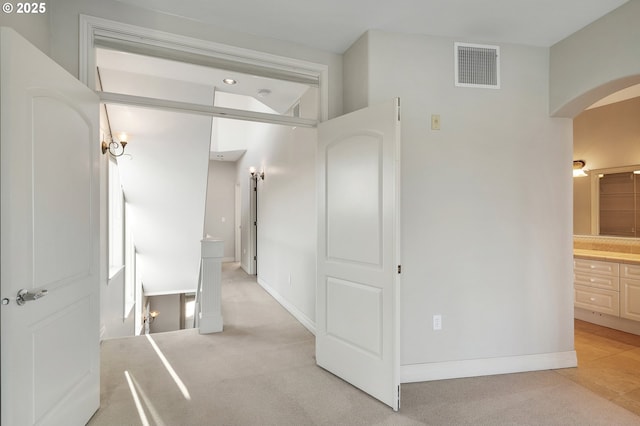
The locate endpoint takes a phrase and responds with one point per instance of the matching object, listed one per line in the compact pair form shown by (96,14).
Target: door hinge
(399,269)
(255,257)
(398,109)
(399,399)
(255,223)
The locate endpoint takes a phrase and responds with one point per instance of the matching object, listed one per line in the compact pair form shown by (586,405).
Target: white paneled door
(50,240)
(357,314)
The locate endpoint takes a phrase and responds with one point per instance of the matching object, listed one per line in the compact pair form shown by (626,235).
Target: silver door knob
(25,296)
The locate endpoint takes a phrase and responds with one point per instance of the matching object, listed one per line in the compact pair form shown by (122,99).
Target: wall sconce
(115,146)
(151,317)
(255,175)
(578,168)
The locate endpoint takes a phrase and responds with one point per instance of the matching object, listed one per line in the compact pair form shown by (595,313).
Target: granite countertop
(610,256)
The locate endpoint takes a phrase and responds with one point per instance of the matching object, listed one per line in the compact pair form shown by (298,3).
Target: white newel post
(211,293)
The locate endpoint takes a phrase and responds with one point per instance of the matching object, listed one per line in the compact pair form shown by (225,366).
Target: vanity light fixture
(255,175)
(115,147)
(578,168)
(229,81)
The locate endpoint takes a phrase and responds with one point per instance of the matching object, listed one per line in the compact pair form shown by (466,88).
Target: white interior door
(357,314)
(50,240)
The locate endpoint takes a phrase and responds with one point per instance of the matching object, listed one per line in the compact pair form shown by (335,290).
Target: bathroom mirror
(606,201)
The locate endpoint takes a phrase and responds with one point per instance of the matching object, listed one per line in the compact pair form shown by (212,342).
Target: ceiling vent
(477,65)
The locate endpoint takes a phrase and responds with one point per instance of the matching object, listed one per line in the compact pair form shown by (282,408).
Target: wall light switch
(437,322)
(435,121)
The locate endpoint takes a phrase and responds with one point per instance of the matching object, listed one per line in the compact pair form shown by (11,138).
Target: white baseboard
(103,331)
(486,367)
(302,318)
(228,259)
(622,324)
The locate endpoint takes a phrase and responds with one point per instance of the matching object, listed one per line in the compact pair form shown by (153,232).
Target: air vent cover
(477,65)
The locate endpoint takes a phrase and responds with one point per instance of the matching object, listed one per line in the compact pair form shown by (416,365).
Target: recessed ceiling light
(229,81)
(263,93)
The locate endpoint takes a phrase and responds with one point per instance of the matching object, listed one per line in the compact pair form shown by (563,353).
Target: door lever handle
(25,296)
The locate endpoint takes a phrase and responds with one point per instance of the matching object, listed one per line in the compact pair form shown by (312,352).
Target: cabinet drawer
(630,271)
(630,299)
(595,267)
(597,281)
(595,299)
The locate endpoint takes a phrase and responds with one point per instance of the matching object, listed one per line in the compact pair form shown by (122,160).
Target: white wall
(112,318)
(168,307)
(582,205)
(486,204)
(219,221)
(286,214)
(356,75)
(113,323)
(33,27)
(165,184)
(595,61)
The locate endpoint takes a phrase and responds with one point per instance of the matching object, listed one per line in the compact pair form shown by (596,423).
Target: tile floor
(608,364)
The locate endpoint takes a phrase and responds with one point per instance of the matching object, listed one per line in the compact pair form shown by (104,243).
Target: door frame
(238,223)
(177,47)
(253,227)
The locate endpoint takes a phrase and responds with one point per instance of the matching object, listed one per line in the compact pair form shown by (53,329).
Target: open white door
(357,313)
(50,240)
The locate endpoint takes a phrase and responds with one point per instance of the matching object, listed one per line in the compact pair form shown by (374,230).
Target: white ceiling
(333,25)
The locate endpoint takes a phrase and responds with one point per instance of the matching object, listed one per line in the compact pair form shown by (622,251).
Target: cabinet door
(630,299)
(597,300)
(597,281)
(599,267)
(630,271)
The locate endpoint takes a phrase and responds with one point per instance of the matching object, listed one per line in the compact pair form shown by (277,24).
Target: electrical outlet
(437,322)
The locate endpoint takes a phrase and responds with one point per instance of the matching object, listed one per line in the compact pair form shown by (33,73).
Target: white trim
(297,314)
(115,272)
(485,367)
(90,27)
(212,111)
(168,292)
(229,259)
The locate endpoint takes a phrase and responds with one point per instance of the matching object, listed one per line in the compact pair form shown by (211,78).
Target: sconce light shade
(152,316)
(255,175)
(578,168)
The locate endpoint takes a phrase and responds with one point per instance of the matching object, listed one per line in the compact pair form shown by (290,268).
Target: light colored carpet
(261,371)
